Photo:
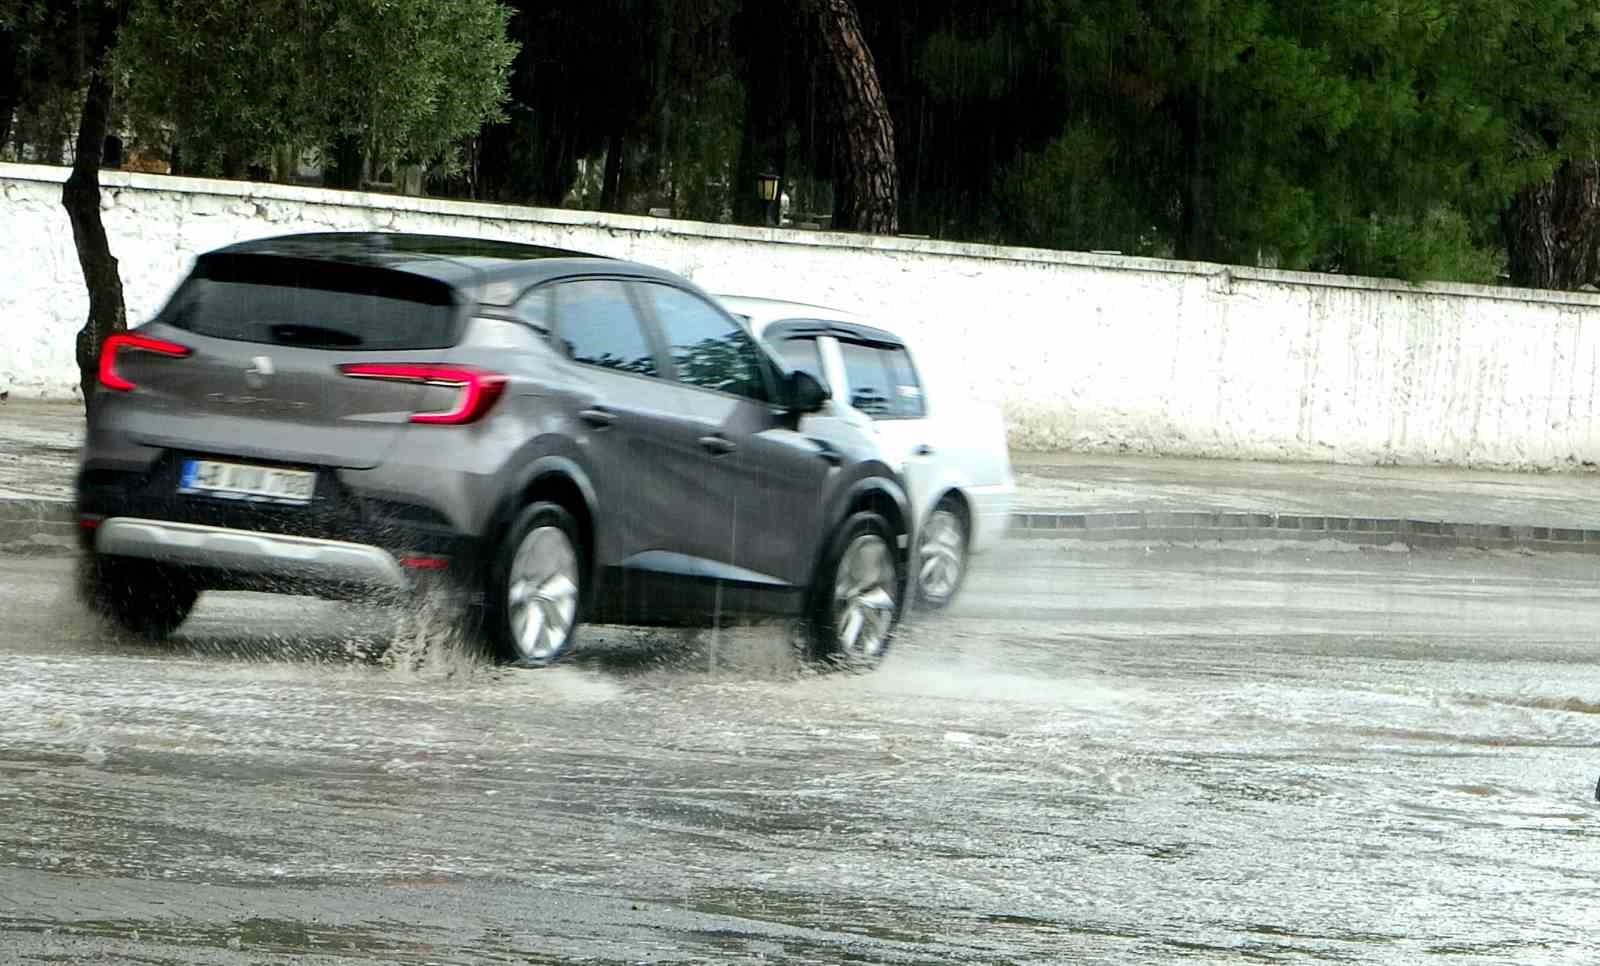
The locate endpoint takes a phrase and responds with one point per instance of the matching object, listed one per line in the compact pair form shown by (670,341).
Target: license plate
(238,481)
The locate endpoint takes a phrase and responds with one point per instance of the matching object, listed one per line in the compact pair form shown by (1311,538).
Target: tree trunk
(10,83)
(611,187)
(81,198)
(762,63)
(1194,219)
(346,165)
(867,184)
(1552,229)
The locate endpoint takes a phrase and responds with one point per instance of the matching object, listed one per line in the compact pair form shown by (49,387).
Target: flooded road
(1099,756)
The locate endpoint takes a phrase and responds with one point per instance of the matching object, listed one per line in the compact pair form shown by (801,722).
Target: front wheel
(535,587)
(140,596)
(856,604)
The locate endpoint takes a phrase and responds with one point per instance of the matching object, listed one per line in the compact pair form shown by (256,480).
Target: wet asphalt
(1098,756)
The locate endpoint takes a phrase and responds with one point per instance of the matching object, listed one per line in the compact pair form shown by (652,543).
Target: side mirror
(806,394)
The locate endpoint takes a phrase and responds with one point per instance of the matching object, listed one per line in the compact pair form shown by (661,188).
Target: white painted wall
(1084,352)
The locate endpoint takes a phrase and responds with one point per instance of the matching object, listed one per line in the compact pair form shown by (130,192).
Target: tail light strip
(479,388)
(109,377)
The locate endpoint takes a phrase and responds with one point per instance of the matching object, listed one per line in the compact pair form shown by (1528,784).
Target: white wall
(1085,352)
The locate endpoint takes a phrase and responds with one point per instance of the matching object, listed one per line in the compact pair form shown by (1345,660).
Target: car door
(623,410)
(768,476)
(881,382)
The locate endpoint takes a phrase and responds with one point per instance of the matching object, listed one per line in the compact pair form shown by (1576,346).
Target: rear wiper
(312,336)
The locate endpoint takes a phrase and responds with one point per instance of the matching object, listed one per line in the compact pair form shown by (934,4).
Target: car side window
(883,383)
(909,402)
(597,324)
(801,354)
(536,309)
(708,349)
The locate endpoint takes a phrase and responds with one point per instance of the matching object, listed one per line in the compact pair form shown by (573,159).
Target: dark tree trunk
(763,63)
(1552,229)
(611,188)
(232,164)
(10,83)
(347,164)
(867,184)
(1194,227)
(81,198)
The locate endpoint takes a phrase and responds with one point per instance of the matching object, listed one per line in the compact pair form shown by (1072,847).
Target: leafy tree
(41,72)
(1546,77)
(1373,136)
(256,82)
(647,92)
(581,87)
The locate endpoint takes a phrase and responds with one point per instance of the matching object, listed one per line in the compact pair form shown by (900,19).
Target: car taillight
(479,389)
(130,342)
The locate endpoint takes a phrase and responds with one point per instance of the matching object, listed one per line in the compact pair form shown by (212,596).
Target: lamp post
(767,185)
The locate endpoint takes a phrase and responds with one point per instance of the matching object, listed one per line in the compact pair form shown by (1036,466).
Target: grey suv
(564,437)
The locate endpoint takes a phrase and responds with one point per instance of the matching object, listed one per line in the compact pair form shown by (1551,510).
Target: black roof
(460,262)
(369,246)
(853,331)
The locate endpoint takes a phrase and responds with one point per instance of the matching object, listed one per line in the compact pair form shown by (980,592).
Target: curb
(1211,527)
(33,525)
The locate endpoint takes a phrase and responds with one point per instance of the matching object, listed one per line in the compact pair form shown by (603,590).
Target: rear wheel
(855,605)
(535,587)
(942,554)
(140,596)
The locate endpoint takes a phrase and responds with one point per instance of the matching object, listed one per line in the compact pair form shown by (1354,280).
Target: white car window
(800,352)
(883,383)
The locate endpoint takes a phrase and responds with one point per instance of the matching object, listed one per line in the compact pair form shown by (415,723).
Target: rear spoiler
(295,271)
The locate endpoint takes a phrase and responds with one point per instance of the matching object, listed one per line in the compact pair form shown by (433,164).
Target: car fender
(871,478)
(549,455)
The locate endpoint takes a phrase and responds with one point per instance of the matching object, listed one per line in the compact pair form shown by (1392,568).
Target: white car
(954,458)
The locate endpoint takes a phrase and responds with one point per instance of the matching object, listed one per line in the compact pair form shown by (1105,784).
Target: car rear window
(290,301)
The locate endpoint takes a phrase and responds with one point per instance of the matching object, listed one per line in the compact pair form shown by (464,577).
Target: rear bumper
(248,552)
(342,541)
(991,512)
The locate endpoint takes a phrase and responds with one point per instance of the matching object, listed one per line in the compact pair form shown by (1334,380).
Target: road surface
(1098,756)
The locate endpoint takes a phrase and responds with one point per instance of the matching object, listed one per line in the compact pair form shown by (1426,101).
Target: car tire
(139,596)
(942,548)
(857,596)
(536,588)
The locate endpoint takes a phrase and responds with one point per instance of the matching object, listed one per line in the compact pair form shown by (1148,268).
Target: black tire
(825,642)
(139,596)
(501,626)
(944,593)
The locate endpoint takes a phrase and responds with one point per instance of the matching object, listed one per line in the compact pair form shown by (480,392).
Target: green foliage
(1367,136)
(701,141)
(1067,195)
(238,80)
(1437,244)
(41,45)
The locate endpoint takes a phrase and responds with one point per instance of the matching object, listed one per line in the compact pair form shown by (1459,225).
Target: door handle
(718,445)
(923,450)
(598,417)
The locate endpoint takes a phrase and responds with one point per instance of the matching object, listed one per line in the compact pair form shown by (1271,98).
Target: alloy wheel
(864,598)
(542,594)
